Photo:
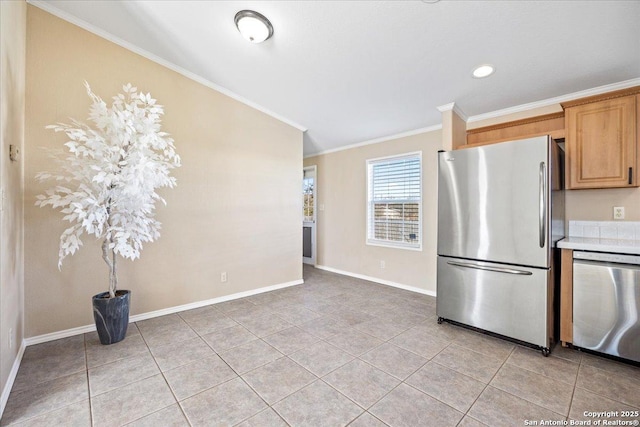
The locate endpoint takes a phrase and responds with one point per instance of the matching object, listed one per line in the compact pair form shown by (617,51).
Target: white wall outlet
(383,264)
(618,212)
(223,277)
(322,206)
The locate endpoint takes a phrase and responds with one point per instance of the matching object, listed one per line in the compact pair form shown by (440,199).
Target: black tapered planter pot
(111,316)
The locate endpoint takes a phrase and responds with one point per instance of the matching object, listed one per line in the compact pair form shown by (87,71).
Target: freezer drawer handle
(543,203)
(496,269)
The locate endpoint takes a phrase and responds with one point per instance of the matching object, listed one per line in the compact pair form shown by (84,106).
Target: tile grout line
(179,402)
(66,375)
(86,366)
(291,300)
(354,327)
(283,398)
(325,340)
(261,398)
(550,378)
(163,377)
(545,375)
(518,397)
(238,375)
(573,391)
(403,382)
(488,384)
(464,414)
(366,410)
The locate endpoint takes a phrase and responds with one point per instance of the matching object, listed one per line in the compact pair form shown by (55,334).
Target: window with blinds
(395,201)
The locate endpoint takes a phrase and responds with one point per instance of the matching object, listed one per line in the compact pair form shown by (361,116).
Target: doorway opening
(309,215)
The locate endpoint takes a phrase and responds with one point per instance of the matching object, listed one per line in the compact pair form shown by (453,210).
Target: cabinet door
(601,144)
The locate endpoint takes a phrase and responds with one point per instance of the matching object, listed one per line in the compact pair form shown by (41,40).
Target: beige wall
(12,85)
(597,205)
(237,207)
(341,232)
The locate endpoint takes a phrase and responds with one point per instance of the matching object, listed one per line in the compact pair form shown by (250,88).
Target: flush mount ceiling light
(253,26)
(483,71)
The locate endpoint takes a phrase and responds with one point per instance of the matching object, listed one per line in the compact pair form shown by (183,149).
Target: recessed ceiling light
(483,71)
(253,26)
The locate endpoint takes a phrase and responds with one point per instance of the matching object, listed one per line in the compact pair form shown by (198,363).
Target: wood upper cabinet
(601,143)
(549,124)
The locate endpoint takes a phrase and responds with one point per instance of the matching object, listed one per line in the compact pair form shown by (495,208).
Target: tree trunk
(111,263)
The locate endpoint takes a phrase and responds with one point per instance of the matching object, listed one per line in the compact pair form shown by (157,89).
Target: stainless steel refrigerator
(500,214)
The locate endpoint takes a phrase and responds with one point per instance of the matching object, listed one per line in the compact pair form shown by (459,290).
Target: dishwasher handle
(489,268)
(607,257)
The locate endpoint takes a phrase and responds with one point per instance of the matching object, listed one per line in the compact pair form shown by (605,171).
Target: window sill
(394,246)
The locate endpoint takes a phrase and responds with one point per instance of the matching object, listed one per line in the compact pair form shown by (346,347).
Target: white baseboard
(4,397)
(39,339)
(198,304)
(157,313)
(377,280)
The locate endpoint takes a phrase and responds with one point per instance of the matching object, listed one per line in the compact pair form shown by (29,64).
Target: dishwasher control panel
(607,257)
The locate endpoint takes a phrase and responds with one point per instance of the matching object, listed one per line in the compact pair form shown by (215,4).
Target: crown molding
(446,107)
(377,140)
(602,97)
(452,106)
(48,7)
(526,121)
(557,100)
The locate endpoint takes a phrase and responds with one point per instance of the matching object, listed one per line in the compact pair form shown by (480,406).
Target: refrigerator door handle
(488,268)
(543,204)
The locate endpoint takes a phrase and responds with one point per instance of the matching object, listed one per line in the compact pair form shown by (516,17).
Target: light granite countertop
(618,246)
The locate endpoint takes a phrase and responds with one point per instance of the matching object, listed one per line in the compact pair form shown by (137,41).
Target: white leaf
(111,171)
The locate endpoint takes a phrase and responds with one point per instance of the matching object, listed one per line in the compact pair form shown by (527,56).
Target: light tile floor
(334,351)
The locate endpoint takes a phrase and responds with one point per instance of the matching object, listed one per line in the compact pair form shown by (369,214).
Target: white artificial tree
(107,182)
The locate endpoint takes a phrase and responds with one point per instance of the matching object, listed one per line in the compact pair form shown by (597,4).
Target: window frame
(371,241)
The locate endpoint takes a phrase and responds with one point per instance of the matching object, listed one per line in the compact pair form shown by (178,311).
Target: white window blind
(394,201)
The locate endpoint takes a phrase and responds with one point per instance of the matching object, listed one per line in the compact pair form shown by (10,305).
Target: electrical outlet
(383,264)
(618,212)
(223,277)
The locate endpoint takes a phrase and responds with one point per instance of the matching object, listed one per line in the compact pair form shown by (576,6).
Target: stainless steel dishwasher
(606,303)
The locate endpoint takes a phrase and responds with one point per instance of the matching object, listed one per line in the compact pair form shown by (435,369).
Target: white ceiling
(351,71)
